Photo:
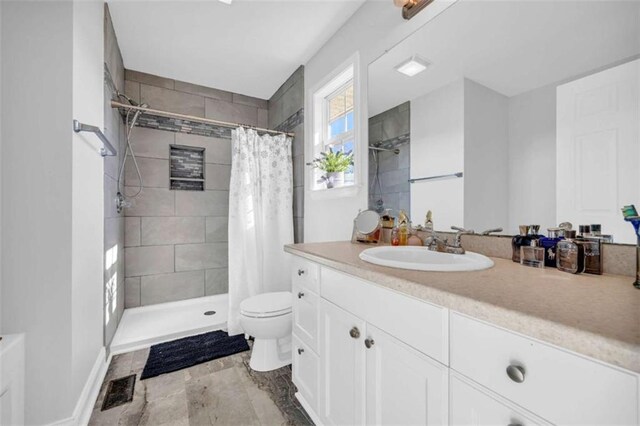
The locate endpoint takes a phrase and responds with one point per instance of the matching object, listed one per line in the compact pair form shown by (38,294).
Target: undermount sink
(423,259)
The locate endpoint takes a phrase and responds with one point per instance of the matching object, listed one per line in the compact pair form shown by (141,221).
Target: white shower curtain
(260,218)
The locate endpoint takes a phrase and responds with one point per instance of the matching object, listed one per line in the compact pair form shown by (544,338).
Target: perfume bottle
(528,233)
(593,259)
(550,245)
(532,255)
(570,254)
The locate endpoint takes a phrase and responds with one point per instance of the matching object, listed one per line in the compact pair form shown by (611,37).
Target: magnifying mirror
(366,227)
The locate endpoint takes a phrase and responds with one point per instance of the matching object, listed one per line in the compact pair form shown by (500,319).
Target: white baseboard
(89,394)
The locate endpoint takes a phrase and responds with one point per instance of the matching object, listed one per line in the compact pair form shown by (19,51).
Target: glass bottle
(532,255)
(570,254)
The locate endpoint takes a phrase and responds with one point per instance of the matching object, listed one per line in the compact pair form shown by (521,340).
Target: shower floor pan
(147,325)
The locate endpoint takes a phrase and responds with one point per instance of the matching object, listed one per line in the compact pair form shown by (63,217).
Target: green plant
(332,162)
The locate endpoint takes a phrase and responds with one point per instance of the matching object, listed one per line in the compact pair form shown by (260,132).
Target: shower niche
(186,168)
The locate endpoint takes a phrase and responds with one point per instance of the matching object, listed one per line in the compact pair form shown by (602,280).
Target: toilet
(267,318)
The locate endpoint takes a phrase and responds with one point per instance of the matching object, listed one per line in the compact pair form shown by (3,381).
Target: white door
(470,405)
(404,386)
(598,149)
(342,379)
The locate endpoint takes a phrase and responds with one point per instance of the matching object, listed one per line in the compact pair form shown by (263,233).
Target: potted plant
(334,164)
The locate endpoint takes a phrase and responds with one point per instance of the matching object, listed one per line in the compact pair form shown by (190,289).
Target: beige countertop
(594,315)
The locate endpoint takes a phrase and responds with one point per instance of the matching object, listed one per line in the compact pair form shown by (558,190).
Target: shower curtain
(260,218)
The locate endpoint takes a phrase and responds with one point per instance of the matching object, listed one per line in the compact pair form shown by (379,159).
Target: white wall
(438,148)
(87,188)
(51,197)
(486,140)
(377,26)
(532,159)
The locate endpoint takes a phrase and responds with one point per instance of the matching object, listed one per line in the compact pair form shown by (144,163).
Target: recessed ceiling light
(225,1)
(412,66)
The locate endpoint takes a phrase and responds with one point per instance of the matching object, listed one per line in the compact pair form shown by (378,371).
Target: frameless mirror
(499,114)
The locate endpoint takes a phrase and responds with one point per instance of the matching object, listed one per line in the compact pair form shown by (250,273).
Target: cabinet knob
(300,351)
(300,272)
(368,343)
(516,373)
(355,333)
(300,295)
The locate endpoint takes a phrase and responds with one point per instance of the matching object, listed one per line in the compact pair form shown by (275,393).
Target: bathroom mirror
(367,222)
(498,114)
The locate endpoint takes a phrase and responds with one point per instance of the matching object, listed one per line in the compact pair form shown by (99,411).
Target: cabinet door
(305,316)
(404,386)
(306,372)
(472,405)
(342,358)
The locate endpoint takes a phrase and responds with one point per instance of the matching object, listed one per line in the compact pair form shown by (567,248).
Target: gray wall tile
(132,231)
(217,229)
(263,118)
(171,287)
(110,192)
(154,171)
(132,90)
(298,201)
(148,260)
(217,151)
(250,101)
(216,281)
(297,145)
(207,92)
(293,99)
(191,257)
(297,75)
(230,112)
(151,143)
(172,230)
(132,292)
(217,176)
(152,202)
(150,79)
(205,203)
(171,100)
(298,170)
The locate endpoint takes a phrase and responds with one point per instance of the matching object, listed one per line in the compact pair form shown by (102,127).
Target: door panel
(403,386)
(343,367)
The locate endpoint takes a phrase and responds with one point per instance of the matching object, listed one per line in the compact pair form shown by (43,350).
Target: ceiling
(249,47)
(509,46)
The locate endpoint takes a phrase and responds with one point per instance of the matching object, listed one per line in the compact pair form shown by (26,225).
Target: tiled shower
(173,239)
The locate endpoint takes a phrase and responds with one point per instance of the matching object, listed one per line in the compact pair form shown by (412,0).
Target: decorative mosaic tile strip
(292,122)
(183,126)
(187,185)
(394,142)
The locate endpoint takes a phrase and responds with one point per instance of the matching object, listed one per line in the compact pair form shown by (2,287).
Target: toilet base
(270,354)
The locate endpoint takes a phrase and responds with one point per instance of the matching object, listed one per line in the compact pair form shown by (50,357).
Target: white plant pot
(335,179)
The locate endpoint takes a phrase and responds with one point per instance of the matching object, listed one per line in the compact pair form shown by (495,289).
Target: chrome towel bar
(439,177)
(107,149)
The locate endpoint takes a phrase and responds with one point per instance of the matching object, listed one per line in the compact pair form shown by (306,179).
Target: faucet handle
(491,231)
(460,232)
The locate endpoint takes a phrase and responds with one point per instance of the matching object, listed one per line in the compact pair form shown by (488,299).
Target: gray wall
(286,113)
(390,129)
(113,222)
(176,241)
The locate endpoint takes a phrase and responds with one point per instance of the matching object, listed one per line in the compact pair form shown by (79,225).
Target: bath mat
(189,351)
(119,391)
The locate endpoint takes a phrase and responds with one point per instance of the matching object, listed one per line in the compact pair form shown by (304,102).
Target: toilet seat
(267,305)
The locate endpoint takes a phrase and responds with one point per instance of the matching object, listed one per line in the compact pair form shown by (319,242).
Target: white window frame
(339,78)
(344,136)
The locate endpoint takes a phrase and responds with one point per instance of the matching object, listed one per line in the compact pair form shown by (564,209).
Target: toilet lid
(267,304)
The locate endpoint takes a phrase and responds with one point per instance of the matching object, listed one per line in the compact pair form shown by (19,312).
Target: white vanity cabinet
(364,354)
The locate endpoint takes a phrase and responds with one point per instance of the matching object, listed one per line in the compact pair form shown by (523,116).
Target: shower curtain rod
(116,104)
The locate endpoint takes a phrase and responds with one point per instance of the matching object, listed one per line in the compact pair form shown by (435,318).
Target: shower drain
(210,313)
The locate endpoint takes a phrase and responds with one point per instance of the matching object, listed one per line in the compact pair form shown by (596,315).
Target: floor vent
(120,391)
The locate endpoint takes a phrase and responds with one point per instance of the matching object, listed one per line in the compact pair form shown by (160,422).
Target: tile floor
(220,392)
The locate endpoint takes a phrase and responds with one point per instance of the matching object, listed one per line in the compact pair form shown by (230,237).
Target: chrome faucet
(435,243)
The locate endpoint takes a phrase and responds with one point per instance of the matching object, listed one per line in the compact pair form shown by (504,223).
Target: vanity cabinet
(364,354)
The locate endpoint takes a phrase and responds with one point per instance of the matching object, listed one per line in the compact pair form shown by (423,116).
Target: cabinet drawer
(418,324)
(472,405)
(305,274)
(557,385)
(306,316)
(306,372)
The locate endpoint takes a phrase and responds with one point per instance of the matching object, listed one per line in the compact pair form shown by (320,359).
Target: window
(334,117)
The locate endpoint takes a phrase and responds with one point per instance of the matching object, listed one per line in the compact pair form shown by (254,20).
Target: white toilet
(267,317)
